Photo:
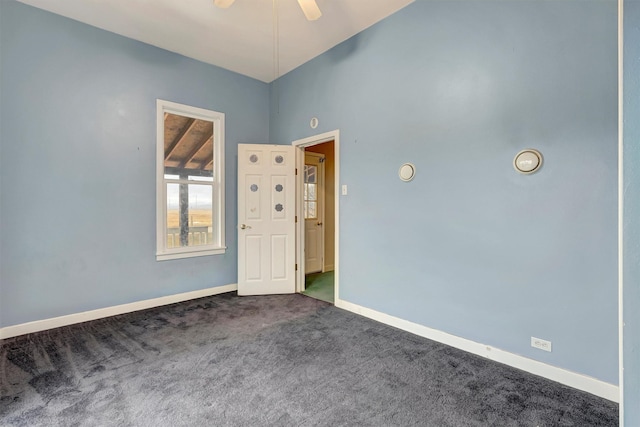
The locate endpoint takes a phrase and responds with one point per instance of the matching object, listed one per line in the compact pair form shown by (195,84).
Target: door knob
(319,223)
(244,226)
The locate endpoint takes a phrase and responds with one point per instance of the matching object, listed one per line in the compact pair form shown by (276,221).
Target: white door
(266,219)
(313,211)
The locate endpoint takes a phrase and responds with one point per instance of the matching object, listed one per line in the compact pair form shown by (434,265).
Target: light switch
(344,189)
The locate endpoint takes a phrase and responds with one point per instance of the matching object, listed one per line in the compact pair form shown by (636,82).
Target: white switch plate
(541,344)
(344,189)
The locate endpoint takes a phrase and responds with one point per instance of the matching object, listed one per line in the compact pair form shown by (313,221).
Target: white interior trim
(300,145)
(572,379)
(56,322)
(190,254)
(621,207)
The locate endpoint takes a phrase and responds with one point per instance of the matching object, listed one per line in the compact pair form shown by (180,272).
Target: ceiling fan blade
(223,3)
(310,9)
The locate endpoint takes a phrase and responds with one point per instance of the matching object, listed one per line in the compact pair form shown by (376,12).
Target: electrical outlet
(541,344)
(344,189)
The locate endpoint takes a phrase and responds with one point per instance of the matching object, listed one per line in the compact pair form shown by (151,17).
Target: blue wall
(455,87)
(77,172)
(631,227)
(470,247)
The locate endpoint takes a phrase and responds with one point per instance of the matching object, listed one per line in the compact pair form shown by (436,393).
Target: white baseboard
(571,379)
(56,322)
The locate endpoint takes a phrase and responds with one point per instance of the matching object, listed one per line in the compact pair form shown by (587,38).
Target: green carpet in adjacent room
(320,286)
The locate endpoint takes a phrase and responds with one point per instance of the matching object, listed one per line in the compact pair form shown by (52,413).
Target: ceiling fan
(309,7)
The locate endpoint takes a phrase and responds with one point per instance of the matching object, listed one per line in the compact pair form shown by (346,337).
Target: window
(190,188)
(310,192)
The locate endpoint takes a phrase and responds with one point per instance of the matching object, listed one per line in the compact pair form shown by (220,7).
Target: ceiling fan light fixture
(310,9)
(223,3)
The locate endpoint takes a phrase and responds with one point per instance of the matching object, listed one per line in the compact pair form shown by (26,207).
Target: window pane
(200,214)
(189,215)
(173,216)
(312,192)
(312,214)
(188,147)
(310,210)
(310,173)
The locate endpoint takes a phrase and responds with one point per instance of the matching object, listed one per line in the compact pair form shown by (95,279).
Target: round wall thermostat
(407,172)
(527,161)
(313,123)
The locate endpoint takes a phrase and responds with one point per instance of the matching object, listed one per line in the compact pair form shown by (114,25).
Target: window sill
(189,254)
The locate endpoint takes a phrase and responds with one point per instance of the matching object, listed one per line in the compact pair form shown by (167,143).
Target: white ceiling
(240,38)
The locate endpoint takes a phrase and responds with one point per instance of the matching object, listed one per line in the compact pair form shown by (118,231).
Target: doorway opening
(318,229)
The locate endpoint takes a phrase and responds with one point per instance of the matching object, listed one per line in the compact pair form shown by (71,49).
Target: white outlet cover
(541,344)
(313,123)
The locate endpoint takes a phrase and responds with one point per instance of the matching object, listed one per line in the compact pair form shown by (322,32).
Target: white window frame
(217,246)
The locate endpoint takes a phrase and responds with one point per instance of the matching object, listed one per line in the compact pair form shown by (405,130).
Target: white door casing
(313,212)
(300,146)
(266,219)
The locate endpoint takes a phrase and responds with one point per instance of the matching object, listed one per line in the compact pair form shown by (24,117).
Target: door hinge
(296,267)
(296,218)
(322,159)
(296,171)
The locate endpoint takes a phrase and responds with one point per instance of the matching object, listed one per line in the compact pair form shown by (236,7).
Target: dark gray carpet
(285,360)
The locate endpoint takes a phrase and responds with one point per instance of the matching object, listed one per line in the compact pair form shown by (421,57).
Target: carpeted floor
(284,360)
(320,286)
